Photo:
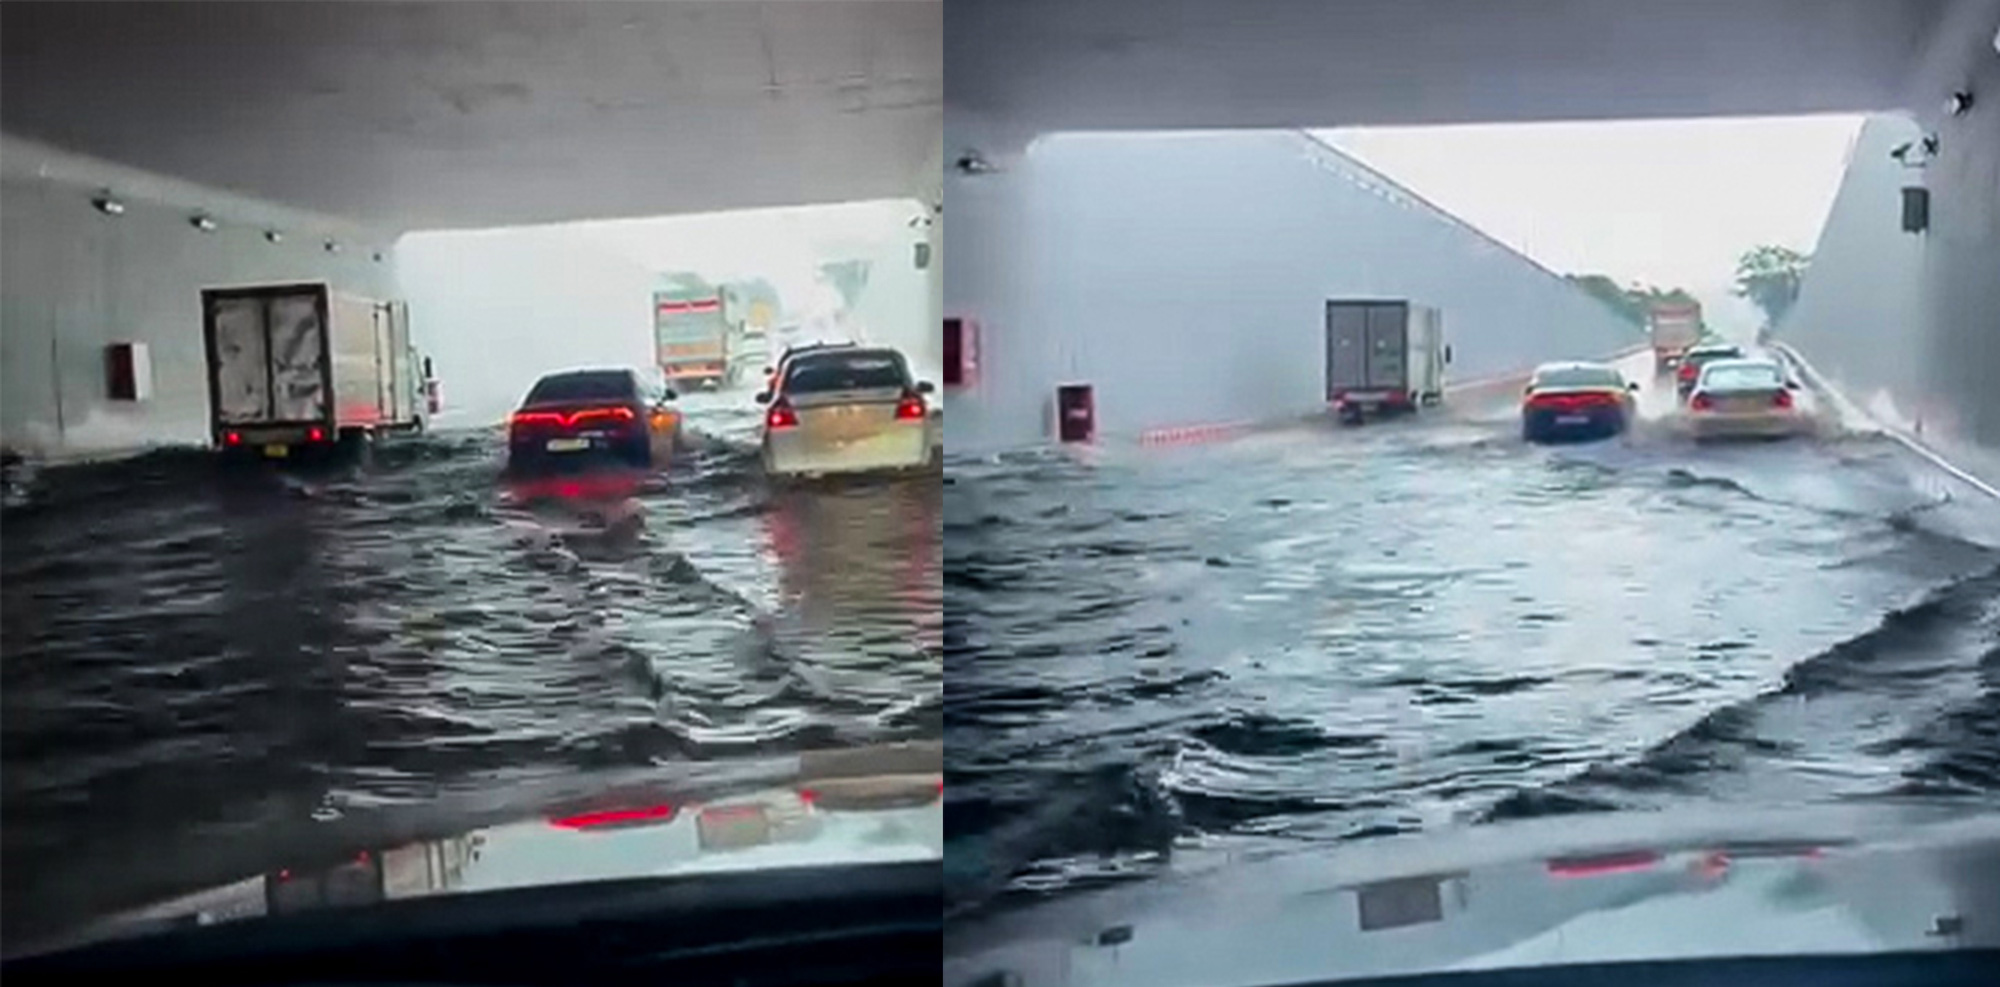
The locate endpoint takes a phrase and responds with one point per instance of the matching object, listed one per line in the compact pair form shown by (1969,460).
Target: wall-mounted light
(1959,104)
(108,205)
(202,223)
(273,236)
(332,247)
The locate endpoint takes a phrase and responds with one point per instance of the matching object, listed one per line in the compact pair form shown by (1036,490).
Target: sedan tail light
(781,415)
(1782,399)
(910,408)
(556,419)
(1687,370)
(1701,402)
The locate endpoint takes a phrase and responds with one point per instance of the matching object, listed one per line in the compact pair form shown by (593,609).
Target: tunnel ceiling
(1046,65)
(452,115)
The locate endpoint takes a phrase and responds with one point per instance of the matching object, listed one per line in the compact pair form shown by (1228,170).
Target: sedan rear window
(844,372)
(1749,377)
(1578,377)
(590,385)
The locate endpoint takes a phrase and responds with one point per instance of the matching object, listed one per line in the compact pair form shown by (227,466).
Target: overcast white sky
(784,245)
(1670,202)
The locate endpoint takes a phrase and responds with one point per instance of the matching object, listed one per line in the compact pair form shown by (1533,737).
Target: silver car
(1746,398)
(845,410)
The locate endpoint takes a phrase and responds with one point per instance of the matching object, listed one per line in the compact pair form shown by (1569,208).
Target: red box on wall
(961,352)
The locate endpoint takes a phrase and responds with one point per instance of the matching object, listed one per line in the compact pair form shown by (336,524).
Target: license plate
(732,827)
(1572,419)
(275,451)
(568,445)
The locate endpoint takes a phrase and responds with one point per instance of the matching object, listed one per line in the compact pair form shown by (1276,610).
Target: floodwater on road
(205,672)
(1324,634)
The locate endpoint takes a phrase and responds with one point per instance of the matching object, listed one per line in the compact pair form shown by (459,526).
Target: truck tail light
(910,408)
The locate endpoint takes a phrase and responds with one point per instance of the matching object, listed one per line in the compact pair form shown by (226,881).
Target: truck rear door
(1388,349)
(1346,347)
(267,354)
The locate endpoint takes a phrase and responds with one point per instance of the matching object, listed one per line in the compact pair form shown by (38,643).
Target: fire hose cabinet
(961,353)
(128,372)
(1076,413)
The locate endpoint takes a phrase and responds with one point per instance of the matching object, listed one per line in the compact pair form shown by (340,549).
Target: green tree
(1632,302)
(1769,276)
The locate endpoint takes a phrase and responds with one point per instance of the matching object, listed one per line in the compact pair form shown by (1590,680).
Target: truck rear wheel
(355,445)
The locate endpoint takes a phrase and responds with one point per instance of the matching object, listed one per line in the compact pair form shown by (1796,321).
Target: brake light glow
(232,438)
(1688,370)
(781,415)
(315,435)
(1614,863)
(1572,401)
(560,420)
(910,408)
(1701,402)
(613,817)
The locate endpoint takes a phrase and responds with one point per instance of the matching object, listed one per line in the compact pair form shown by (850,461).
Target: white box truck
(1383,357)
(301,368)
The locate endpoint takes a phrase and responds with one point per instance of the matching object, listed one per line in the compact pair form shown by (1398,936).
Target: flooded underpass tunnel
(298,561)
(1323,635)
(208,670)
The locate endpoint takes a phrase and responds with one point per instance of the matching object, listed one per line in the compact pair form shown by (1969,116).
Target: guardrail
(1848,409)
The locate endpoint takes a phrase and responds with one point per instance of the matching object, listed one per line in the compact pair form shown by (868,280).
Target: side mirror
(768,371)
(1633,386)
(1791,385)
(1530,389)
(763,397)
(672,394)
(926,387)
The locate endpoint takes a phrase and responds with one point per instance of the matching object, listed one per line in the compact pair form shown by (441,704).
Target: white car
(845,409)
(1744,398)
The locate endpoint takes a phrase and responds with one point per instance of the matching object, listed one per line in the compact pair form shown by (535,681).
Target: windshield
(1578,377)
(1748,377)
(814,373)
(1259,547)
(365,557)
(607,385)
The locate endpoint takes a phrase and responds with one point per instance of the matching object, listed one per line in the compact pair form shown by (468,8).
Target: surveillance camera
(971,163)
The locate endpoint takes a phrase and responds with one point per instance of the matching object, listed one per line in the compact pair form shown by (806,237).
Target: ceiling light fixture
(273,236)
(332,247)
(108,205)
(202,223)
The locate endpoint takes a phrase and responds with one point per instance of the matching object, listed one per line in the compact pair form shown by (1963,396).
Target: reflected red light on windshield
(1614,863)
(613,817)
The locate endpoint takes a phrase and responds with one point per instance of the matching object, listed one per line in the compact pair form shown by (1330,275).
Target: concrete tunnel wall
(1185,276)
(1909,324)
(73,280)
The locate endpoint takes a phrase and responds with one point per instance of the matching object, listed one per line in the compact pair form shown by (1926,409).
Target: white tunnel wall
(1909,324)
(73,280)
(1185,277)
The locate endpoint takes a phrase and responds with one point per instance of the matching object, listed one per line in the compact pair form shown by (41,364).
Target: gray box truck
(1383,357)
(300,368)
